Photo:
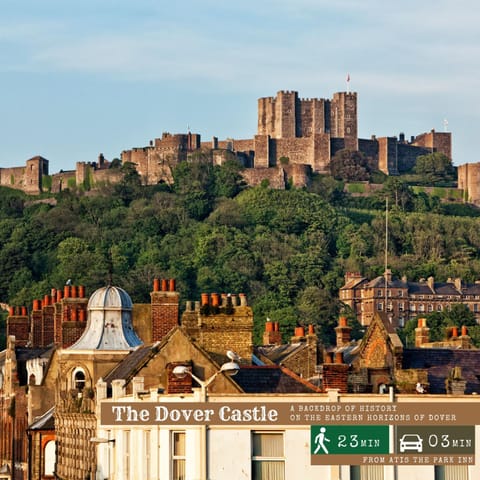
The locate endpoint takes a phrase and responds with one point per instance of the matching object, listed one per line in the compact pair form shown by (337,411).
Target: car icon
(411,441)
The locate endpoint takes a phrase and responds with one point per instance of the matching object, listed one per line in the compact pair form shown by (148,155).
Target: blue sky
(80,78)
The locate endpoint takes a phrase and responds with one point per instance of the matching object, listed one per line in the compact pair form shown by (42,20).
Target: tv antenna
(445,125)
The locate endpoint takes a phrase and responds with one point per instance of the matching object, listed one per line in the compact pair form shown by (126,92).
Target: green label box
(349,439)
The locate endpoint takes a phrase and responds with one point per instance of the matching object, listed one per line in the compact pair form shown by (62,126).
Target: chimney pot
(342,321)
(215,299)
(338,357)
(299,331)
(205,299)
(269,326)
(81,291)
(171,285)
(464,331)
(73,291)
(164,285)
(156,284)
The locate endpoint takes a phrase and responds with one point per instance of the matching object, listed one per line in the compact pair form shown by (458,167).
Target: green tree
(435,167)
(349,165)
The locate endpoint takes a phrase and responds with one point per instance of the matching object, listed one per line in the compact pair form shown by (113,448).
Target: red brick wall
(164,313)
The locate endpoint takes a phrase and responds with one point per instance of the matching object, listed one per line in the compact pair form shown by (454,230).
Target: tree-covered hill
(287,250)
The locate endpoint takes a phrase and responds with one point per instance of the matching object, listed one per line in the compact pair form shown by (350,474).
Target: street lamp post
(229,368)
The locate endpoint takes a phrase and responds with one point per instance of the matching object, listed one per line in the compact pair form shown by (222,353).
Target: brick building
(402,299)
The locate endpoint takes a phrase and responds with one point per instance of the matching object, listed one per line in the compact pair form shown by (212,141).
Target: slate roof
(440,361)
(131,364)
(272,379)
(278,353)
(45,421)
(379,282)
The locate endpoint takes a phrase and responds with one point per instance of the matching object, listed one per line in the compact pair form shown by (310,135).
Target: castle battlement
(306,131)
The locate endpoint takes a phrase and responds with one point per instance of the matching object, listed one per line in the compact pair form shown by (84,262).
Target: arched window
(49,458)
(79,379)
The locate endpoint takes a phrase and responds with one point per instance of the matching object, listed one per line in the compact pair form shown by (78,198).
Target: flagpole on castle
(348,83)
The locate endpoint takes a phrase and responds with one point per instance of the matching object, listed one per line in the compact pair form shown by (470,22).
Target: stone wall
(469,181)
(218,327)
(76,454)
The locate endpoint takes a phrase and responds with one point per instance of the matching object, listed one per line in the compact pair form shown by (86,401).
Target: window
(79,379)
(430,307)
(400,307)
(126,454)
(268,461)
(450,472)
(421,307)
(49,458)
(148,455)
(389,307)
(379,306)
(178,456)
(366,472)
(400,293)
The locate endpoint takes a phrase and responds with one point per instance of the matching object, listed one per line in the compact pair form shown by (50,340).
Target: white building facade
(128,451)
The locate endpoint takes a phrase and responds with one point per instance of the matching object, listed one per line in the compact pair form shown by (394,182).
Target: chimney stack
(422,333)
(343,332)
(271,335)
(165,307)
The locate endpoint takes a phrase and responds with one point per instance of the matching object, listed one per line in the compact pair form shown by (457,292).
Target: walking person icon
(319,441)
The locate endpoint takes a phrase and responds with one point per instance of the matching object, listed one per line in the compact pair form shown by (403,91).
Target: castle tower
(286,114)
(343,119)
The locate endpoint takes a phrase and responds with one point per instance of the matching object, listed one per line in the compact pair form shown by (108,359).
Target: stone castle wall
(469,181)
(306,131)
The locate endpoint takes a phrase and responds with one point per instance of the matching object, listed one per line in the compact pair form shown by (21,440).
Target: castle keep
(294,137)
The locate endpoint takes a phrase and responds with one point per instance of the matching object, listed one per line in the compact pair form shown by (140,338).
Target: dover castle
(294,137)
